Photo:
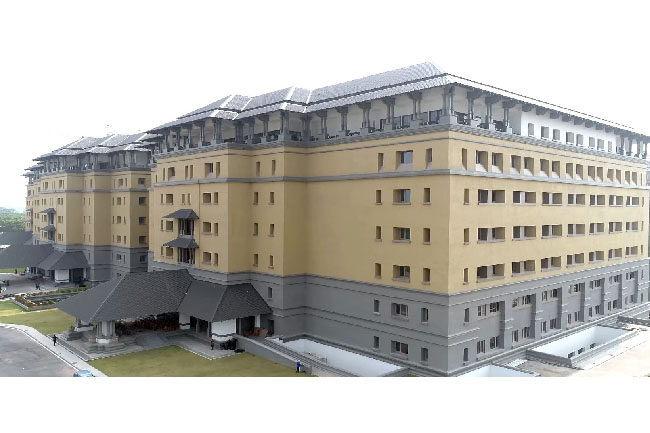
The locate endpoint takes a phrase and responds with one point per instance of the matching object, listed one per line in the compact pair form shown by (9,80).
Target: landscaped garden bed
(42,301)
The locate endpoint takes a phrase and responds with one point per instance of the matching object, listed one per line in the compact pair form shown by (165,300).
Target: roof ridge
(101,304)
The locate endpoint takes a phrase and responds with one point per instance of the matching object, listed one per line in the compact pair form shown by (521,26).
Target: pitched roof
(150,293)
(48,210)
(184,214)
(24,256)
(64,260)
(15,238)
(132,295)
(182,242)
(216,302)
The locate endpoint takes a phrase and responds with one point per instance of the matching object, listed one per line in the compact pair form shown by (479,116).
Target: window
(551,263)
(375,306)
(378,196)
(575,229)
(494,342)
(271,197)
(491,196)
(255,197)
(531,130)
(207,258)
(576,199)
(399,348)
(142,220)
(209,169)
(207,198)
(271,230)
(380,162)
(255,259)
(401,234)
(255,229)
(404,159)
(378,233)
(401,272)
(377,270)
(424,315)
(424,355)
(523,197)
(400,310)
(597,200)
(271,262)
(426,275)
(525,332)
(273,165)
(596,256)
(466,196)
(523,267)
(524,232)
(142,240)
(207,228)
(464,159)
(428,158)
(426,235)
(427,196)
(529,166)
(257,168)
(515,164)
(480,346)
(401,196)
(553,324)
(551,231)
(481,160)
(269,292)
(375,342)
(552,198)
(544,132)
(489,272)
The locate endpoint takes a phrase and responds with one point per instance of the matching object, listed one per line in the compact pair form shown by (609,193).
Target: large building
(412,215)
(89,202)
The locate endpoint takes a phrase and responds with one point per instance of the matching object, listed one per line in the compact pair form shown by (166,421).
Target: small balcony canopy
(184,214)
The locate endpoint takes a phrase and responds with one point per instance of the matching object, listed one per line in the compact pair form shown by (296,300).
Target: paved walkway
(68,357)
(198,346)
(22,284)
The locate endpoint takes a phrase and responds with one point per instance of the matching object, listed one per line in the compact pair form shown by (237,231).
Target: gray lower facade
(108,261)
(446,334)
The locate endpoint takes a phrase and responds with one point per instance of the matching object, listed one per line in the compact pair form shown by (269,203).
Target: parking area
(20,356)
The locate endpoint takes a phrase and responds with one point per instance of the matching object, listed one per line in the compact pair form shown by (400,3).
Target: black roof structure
(149,293)
(48,210)
(64,260)
(185,214)
(216,303)
(15,238)
(182,242)
(24,256)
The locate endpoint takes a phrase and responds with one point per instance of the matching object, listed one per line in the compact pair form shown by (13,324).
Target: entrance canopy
(64,260)
(216,303)
(144,294)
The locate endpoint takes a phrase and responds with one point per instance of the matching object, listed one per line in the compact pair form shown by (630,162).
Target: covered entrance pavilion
(210,310)
(43,259)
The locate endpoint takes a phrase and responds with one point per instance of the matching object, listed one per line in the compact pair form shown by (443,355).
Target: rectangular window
(424,315)
(375,342)
(272,197)
(269,292)
(399,348)
(380,162)
(427,196)
(378,196)
(404,159)
(428,158)
(273,167)
(401,234)
(401,196)
(401,272)
(426,275)
(375,306)
(377,270)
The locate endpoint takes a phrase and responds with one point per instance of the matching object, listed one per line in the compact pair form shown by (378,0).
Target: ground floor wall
(443,334)
(109,261)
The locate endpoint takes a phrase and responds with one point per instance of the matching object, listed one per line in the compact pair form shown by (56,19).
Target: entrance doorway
(246,325)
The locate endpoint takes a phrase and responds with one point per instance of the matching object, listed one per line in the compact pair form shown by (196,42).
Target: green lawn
(11,271)
(172,361)
(45,321)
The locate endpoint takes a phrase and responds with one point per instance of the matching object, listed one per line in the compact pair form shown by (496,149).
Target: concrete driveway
(22,356)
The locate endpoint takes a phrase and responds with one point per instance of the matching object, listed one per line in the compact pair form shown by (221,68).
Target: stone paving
(32,338)
(22,284)
(198,346)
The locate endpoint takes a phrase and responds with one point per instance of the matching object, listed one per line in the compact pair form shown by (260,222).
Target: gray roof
(108,144)
(185,214)
(15,238)
(216,302)
(132,295)
(64,260)
(149,293)
(24,256)
(48,210)
(49,228)
(399,81)
(182,242)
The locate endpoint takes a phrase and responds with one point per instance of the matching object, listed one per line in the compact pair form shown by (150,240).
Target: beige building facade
(91,197)
(412,215)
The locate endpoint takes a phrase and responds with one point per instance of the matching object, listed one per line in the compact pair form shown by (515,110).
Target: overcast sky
(72,69)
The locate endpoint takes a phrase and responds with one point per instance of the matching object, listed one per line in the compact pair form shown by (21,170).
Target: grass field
(11,271)
(45,321)
(172,361)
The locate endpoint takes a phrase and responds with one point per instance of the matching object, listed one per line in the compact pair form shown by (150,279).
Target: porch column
(507,105)
(323,124)
(448,115)
(471,97)
(216,135)
(306,128)
(284,126)
(251,130)
(489,102)
(201,126)
(178,137)
(183,321)
(416,98)
(365,123)
(390,113)
(264,118)
(343,111)
(239,132)
(189,135)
